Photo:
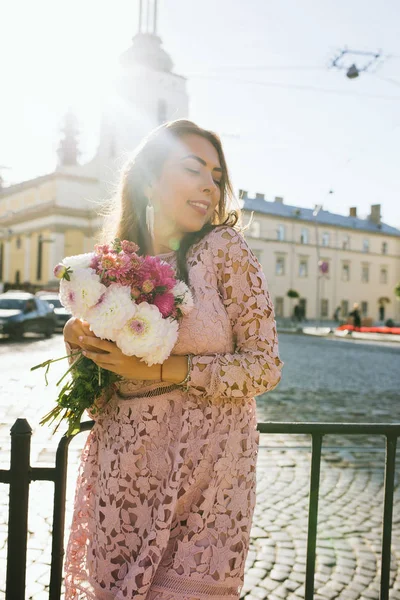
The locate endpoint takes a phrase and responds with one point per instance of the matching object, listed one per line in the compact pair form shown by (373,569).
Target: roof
(30,183)
(324,217)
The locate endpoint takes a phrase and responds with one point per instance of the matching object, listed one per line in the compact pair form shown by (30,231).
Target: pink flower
(159,272)
(165,303)
(129,247)
(59,271)
(102,248)
(135,292)
(108,261)
(148,286)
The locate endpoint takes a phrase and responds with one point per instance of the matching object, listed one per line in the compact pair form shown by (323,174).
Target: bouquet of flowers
(134,301)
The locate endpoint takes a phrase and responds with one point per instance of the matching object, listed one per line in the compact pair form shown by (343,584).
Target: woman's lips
(200,208)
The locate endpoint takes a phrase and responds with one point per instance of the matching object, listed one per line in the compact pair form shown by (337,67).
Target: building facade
(56,215)
(330,260)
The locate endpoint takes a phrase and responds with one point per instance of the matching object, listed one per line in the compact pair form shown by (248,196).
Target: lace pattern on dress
(166,487)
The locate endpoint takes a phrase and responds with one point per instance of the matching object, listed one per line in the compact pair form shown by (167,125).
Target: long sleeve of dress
(255,366)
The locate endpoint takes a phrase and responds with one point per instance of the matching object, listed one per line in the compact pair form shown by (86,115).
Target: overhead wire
(295,86)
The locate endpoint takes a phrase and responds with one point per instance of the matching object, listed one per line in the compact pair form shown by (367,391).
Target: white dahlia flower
(165,343)
(79,261)
(141,332)
(111,312)
(82,292)
(182,291)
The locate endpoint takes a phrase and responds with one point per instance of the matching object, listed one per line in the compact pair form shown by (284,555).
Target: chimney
(375,215)
(260,196)
(242,194)
(279,199)
(353,211)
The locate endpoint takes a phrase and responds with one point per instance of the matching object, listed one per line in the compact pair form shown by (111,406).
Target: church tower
(68,149)
(147,94)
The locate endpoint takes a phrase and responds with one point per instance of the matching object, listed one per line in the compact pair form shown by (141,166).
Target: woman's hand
(108,356)
(74,329)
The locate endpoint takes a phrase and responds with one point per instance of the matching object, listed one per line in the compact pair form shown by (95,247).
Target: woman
(166,488)
(355,313)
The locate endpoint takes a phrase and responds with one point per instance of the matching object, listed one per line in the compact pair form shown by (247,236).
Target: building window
(324,307)
(384,248)
(384,275)
(304,236)
(364,309)
(346,243)
(280,266)
(325,238)
(255,229)
(18,243)
(365,273)
(345,272)
(257,254)
(365,246)
(303,267)
(278,307)
(281,233)
(17,277)
(344,308)
(161,111)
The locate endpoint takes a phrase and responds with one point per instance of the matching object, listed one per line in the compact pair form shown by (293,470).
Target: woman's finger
(99,358)
(86,329)
(97,343)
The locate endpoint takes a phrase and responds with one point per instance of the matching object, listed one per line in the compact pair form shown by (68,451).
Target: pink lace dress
(166,486)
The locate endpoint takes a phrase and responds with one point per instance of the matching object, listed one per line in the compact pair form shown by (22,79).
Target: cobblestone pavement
(324,380)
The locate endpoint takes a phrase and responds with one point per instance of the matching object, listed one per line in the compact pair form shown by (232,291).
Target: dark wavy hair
(125,213)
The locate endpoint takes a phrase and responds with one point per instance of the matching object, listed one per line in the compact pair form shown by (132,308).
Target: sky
(258,73)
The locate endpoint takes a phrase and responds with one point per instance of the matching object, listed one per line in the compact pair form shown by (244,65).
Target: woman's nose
(209,184)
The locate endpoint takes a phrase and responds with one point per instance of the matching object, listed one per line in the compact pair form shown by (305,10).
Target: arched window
(281,233)
(304,236)
(325,238)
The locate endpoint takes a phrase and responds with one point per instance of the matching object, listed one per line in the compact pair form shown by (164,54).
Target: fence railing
(21,474)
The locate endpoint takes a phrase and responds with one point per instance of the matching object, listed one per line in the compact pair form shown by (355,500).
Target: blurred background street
(324,380)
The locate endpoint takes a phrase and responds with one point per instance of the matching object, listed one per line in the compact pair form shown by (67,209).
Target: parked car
(62,315)
(21,313)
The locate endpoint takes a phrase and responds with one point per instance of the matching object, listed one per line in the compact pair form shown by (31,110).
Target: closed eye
(216,181)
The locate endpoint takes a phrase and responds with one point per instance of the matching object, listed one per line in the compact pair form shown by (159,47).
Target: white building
(49,217)
(361,258)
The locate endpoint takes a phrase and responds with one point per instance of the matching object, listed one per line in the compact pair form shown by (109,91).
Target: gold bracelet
(189,367)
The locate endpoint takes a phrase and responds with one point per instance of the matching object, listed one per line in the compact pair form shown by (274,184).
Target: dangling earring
(150,220)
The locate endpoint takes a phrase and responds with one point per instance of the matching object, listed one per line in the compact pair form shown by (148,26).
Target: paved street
(324,380)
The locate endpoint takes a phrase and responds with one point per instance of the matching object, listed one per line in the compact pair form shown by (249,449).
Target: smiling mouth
(203,205)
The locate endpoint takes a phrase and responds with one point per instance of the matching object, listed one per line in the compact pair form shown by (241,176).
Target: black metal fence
(21,474)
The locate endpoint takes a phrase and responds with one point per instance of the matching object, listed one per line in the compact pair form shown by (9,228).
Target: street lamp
(316,211)
(352,71)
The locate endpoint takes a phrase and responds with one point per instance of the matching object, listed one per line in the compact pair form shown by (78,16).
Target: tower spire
(148,16)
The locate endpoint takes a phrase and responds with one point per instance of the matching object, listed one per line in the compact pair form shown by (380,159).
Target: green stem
(71,367)
(51,360)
